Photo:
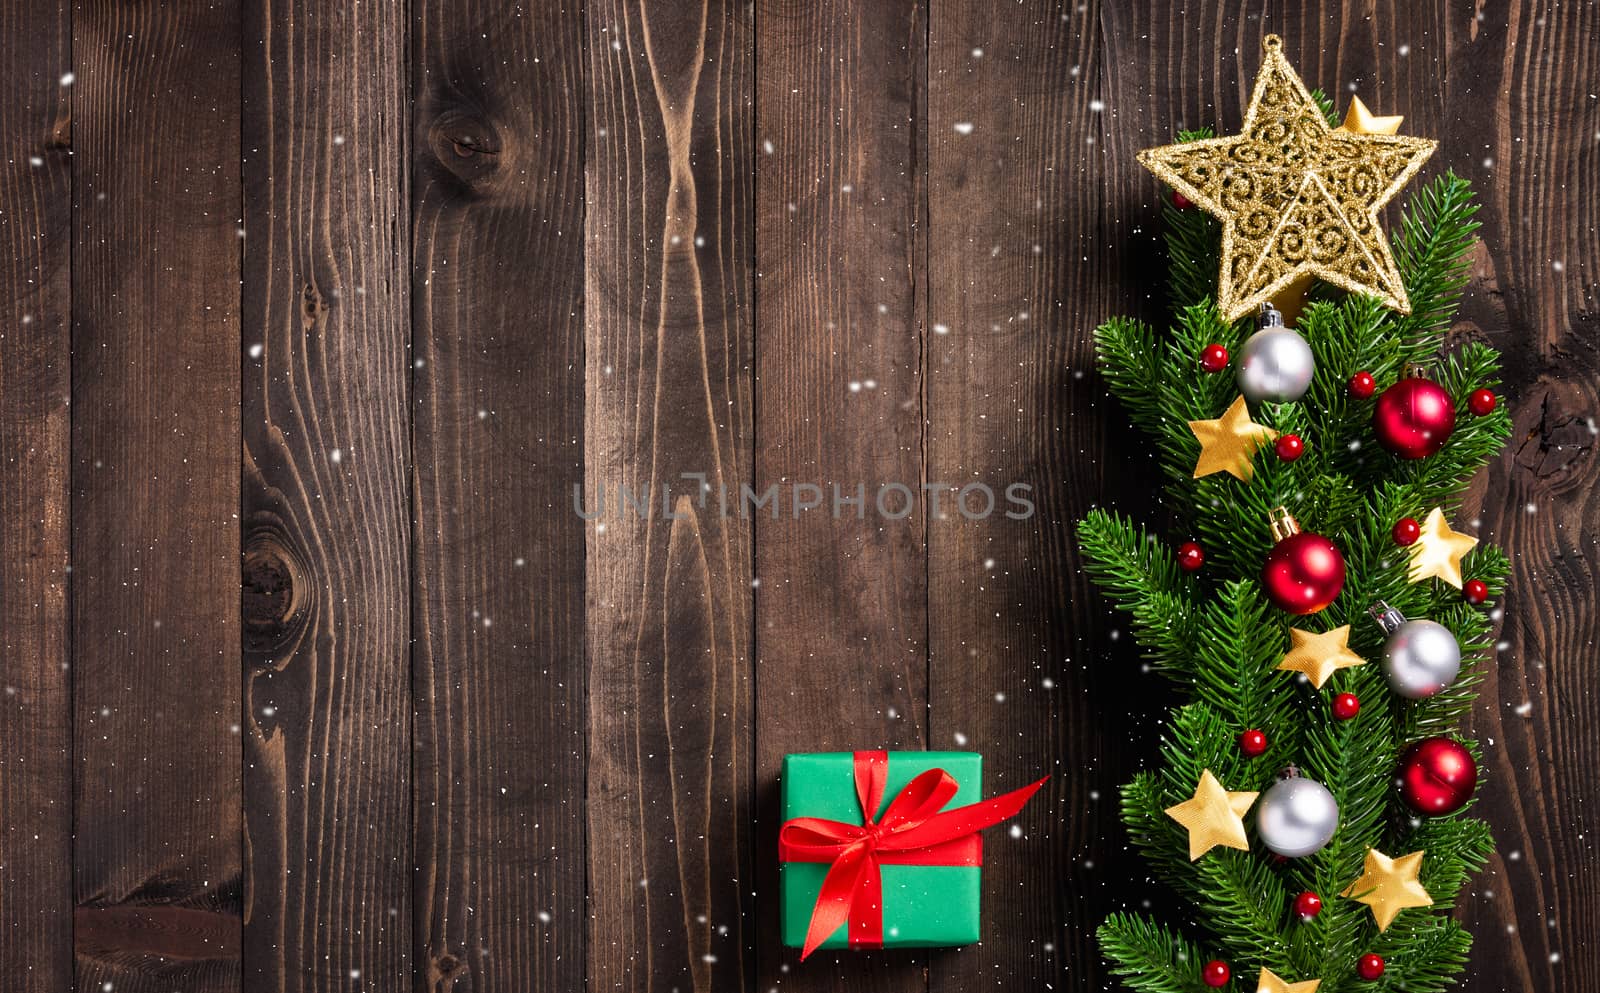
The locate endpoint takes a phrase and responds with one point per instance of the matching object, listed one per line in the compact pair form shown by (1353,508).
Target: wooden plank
(499,585)
(842,599)
(667,311)
(1518,116)
(155,528)
(1023,667)
(35,438)
(325,502)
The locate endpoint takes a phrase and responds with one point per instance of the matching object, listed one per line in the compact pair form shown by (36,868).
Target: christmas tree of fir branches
(1217,636)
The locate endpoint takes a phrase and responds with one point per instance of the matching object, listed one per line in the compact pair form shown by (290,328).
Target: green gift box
(910,878)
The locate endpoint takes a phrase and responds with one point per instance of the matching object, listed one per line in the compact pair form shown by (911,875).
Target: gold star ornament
(1359,120)
(1268,983)
(1213,816)
(1228,443)
(1438,552)
(1296,198)
(1389,885)
(1319,656)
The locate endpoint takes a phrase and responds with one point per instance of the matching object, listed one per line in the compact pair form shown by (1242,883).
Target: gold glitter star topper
(1389,885)
(1319,656)
(1296,198)
(1213,816)
(1437,554)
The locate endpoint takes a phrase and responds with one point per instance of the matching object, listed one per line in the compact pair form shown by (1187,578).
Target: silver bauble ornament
(1275,363)
(1296,816)
(1420,657)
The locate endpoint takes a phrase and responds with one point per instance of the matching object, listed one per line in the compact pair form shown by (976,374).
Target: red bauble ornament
(1216,973)
(1346,706)
(1414,418)
(1214,358)
(1308,905)
(1481,403)
(1406,531)
(1289,447)
(1252,743)
(1437,776)
(1362,385)
(1369,966)
(1475,591)
(1304,572)
(1180,201)
(1191,556)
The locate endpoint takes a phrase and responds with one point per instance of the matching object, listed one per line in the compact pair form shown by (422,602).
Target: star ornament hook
(1296,197)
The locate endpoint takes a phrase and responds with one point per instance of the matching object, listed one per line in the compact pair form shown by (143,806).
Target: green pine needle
(1218,638)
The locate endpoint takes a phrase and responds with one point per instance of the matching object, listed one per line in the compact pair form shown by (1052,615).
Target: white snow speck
(67,78)
(963,127)
(255,351)
(337,456)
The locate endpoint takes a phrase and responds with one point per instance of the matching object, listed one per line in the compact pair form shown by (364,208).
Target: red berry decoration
(1191,556)
(1252,743)
(1346,706)
(1214,358)
(1413,418)
(1369,966)
(1216,973)
(1289,447)
(1307,905)
(1362,385)
(1481,403)
(1475,591)
(1437,776)
(1406,531)
(1304,572)
(1180,201)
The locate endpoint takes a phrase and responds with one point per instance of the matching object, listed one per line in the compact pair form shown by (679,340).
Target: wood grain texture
(1023,231)
(35,445)
(667,312)
(499,580)
(326,513)
(496,249)
(155,510)
(842,592)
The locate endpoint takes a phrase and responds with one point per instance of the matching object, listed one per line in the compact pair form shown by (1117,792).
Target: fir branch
(1143,578)
(1456,847)
(1149,958)
(1131,364)
(1436,236)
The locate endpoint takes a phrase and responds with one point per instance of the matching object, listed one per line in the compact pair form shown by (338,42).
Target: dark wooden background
(352,294)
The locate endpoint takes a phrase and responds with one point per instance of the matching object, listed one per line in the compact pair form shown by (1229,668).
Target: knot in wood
(270,594)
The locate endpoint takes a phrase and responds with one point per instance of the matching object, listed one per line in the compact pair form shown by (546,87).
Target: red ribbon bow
(912,831)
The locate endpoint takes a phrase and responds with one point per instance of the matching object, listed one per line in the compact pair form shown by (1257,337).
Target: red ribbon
(912,831)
